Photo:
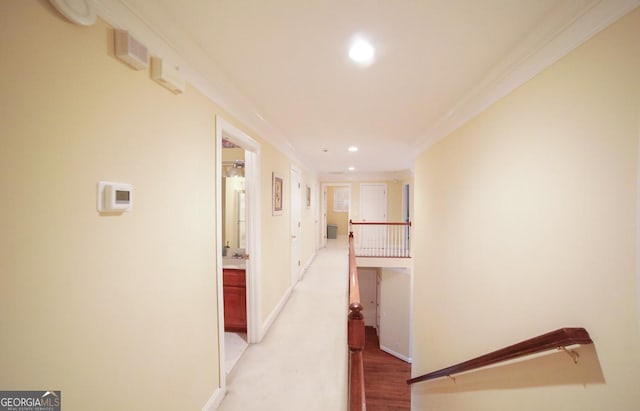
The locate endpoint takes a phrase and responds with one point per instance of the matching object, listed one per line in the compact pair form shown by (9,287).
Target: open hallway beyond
(301,364)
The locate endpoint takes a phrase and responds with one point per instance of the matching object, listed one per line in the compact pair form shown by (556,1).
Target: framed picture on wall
(308,196)
(277,193)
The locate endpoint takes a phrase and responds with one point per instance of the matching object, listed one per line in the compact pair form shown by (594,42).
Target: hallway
(301,364)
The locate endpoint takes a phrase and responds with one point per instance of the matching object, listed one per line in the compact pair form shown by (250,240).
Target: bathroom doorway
(238,236)
(234,251)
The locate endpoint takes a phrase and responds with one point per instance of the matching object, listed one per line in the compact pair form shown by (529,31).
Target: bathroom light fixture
(235,169)
(361,51)
(353,149)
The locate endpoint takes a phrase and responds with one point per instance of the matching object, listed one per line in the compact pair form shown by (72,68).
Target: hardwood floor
(385,377)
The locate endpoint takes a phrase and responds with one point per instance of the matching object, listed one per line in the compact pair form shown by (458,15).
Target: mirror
(233,197)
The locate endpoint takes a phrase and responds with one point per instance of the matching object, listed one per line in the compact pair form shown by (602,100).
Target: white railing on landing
(381,239)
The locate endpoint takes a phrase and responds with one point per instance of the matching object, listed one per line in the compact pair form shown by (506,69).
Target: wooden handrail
(557,339)
(355,336)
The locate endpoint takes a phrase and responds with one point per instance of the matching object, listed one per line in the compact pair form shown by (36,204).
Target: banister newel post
(356,327)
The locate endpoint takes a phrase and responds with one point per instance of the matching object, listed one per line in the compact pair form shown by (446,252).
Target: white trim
(316,194)
(322,214)
(254,246)
(220,294)
(252,188)
(397,355)
(295,210)
(197,68)
(372,176)
(566,27)
(411,310)
(237,136)
(306,266)
(276,311)
(214,401)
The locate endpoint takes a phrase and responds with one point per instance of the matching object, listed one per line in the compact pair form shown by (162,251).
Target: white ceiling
(438,62)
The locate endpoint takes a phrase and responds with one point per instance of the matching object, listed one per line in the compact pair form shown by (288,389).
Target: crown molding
(402,175)
(155,30)
(567,26)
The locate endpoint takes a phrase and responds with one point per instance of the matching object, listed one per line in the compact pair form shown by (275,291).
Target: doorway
(238,242)
(335,211)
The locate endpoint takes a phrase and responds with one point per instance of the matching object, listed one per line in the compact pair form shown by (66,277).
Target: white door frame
(322,230)
(316,211)
(252,207)
(295,230)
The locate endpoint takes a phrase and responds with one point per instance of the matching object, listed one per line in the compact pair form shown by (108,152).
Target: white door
(296,224)
(323,218)
(373,209)
(373,202)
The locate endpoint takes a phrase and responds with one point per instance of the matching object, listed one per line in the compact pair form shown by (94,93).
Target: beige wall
(394,202)
(276,269)
(119,304)
(395,306)
(525,223)
(112,310)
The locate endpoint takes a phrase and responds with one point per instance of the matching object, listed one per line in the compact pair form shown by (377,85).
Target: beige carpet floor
(301,364)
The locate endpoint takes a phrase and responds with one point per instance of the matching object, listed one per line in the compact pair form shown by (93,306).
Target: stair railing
(381,239)
(558,339)
(355,337)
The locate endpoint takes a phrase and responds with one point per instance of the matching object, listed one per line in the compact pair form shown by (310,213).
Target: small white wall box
(130,50)
(114,197)
(167,75)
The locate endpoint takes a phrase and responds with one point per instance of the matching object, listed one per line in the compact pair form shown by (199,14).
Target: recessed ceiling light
(361,51)
(351,168)
(353,149)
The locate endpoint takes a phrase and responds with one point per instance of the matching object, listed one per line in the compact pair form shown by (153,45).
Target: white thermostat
(114,197)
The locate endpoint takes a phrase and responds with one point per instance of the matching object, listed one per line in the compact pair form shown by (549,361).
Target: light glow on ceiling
(361,51)
(353,149)
(351,168)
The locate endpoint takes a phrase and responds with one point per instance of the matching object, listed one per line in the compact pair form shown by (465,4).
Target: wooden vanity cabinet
(235,300)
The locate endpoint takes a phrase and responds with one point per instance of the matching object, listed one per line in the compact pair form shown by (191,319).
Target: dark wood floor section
(385,377)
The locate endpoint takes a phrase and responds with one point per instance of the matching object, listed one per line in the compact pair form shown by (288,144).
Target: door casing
(226,130)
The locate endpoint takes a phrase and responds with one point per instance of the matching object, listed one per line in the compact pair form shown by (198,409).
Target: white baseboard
(215,401)
(397,355)
(283,301)
(308,264)
(276,312)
